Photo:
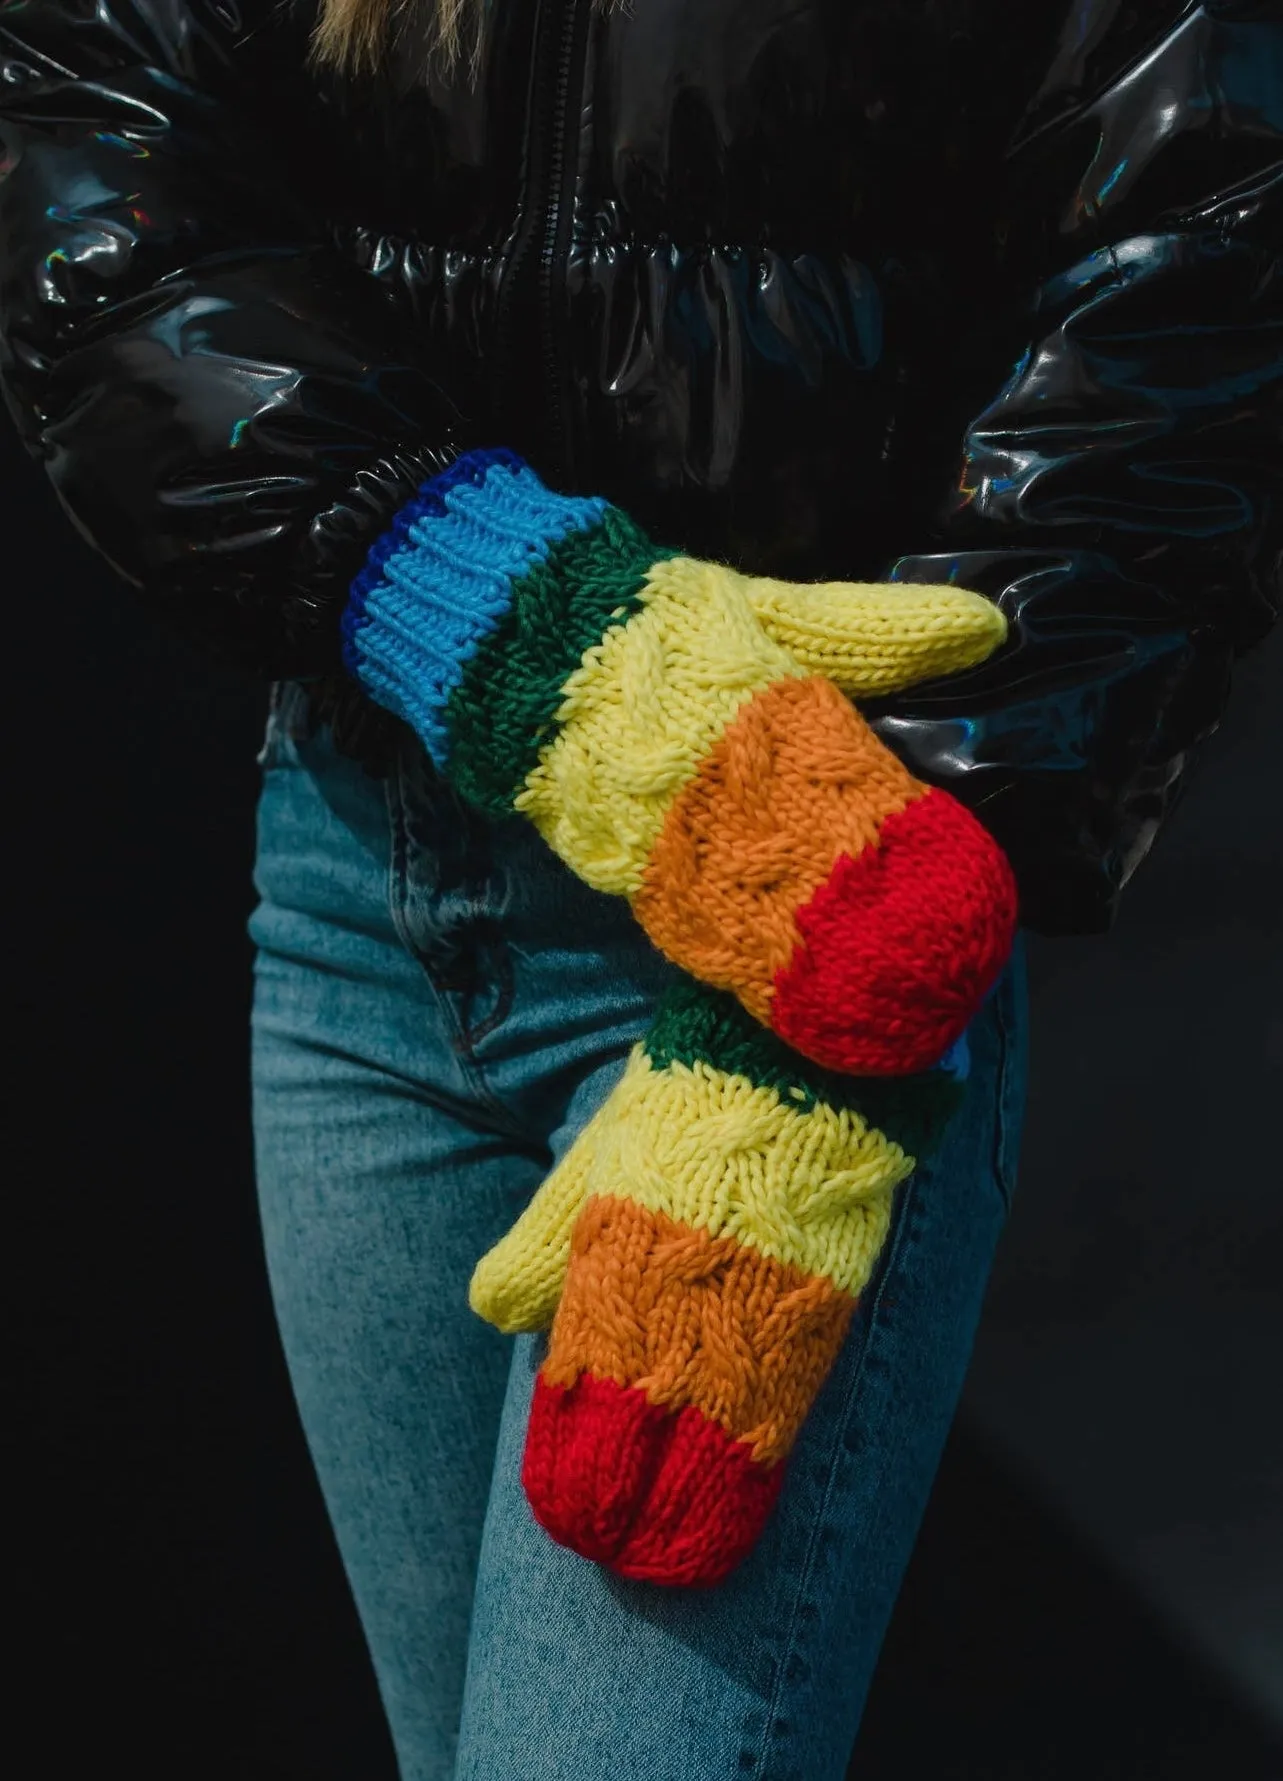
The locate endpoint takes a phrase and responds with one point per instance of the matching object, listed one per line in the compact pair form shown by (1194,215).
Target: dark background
(1098,1591)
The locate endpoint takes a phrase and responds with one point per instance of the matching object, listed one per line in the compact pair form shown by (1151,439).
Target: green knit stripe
(695,1023)
(501,713)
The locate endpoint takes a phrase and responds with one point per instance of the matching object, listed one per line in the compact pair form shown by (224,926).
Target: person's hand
(683,736)
(698,1255)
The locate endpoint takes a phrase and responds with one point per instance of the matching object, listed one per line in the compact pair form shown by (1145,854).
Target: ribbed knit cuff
(441,580)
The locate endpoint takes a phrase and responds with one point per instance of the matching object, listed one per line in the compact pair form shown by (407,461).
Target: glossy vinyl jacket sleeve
(1120,495)
(227,408)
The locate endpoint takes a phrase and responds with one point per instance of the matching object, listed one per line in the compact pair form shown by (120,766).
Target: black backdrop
(180,1607)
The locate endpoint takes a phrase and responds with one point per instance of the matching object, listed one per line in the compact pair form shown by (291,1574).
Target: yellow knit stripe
(715,1152)
(872,638)
(641,712)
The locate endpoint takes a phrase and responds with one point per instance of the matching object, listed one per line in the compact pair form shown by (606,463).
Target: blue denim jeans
(439,1008)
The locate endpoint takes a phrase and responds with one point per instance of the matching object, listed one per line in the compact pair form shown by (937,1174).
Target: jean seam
(792,1643)
(1006,1017)
(397,877)
(471,1036)
(487,930)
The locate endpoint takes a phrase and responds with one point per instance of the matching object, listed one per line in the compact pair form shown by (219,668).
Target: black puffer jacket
(980,289)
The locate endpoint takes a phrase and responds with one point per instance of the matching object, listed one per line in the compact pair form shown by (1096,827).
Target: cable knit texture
(682,735)
(699,1255)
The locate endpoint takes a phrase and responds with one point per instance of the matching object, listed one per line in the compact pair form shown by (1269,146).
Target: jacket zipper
(558,222)
(546,225)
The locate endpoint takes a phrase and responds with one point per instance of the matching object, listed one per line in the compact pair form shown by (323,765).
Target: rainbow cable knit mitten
(698,1255)
(682,735)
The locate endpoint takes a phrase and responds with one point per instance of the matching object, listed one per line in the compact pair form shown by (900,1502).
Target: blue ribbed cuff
(441,578)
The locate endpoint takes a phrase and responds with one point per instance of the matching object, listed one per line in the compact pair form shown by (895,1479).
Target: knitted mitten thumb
(679,734)
(517,1285)
(700,1253)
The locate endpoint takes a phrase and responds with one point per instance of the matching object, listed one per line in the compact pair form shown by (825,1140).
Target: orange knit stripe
(796,780)
(691,1319)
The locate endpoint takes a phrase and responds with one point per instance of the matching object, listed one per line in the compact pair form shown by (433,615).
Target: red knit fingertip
(651,1495)
(900,945)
